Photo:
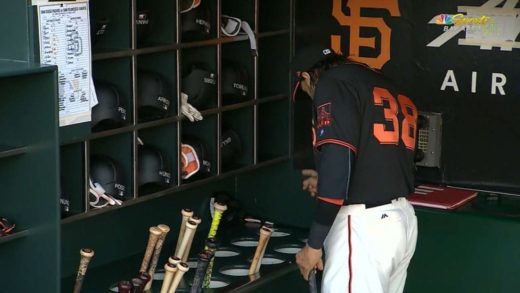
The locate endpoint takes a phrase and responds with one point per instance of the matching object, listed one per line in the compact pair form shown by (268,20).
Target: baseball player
(365,131)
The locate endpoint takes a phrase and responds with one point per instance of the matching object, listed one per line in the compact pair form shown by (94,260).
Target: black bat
(313,287)
(200,273)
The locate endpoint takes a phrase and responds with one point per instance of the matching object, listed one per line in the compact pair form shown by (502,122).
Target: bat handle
(86,256)
(313,287)
(262,244)
(186,215)
(169,272)
(157,252)
(181,269)
(154,235)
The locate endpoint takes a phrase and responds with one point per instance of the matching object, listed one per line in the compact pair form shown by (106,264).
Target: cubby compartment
(111,166)
(199,148)
(273,58)
(156,159)
(237,139)
(199,76)
(198,21)
(274,15)
(72,179)
(237,73)
(155,23)
(273,134)
(109,25)
(156,83)
(241,9)
(113,83)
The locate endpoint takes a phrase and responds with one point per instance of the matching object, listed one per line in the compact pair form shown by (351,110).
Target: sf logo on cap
(326,51)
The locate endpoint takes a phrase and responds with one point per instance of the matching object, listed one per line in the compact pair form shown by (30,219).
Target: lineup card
(64,35)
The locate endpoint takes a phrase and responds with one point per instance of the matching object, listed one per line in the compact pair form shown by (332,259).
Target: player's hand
(310,183)
(309,259)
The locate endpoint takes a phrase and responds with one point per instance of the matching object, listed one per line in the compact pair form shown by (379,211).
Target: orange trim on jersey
(338,202)
(350,255)
(338,142)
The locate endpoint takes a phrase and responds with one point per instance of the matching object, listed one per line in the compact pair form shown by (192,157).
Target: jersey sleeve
(337,114)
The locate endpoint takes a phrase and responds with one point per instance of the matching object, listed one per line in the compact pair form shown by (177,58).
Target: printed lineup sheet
(64,36)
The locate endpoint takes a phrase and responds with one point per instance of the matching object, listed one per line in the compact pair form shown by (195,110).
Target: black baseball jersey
(358,108)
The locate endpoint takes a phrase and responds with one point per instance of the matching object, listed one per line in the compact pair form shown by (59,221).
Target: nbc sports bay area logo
(493,24)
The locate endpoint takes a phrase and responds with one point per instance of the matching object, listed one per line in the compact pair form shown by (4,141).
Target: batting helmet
(153,168)
(108,174)
(235,80)
(195,159)
(153,96)
(196,23)
(200,85)
(110,111)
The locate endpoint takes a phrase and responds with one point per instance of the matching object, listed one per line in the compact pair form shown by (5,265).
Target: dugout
(458,60)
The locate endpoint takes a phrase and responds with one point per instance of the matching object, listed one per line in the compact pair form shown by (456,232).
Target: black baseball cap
(307,57)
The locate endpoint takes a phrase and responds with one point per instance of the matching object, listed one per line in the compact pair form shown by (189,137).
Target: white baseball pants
(369,250)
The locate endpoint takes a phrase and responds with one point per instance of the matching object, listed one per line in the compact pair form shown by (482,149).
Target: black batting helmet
(153,168)
(110,112)
(108,174)
(235,81)
(200,85)
(153,96)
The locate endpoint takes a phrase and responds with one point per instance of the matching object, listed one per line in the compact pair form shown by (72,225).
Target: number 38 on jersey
(405,129)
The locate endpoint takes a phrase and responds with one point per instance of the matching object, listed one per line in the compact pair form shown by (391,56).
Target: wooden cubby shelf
(8,151)
(136,64)
(14,236)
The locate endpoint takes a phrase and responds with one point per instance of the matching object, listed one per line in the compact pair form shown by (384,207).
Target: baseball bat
(124,287)
(190,228)
(186,215)
(152,240)
(270,228)
(197,221)
(86,255)
(181,269)
(156,253)
(220,208)
(169,272)
(265,234)
(137,285)
(211,244)
(174,260)
(313,287)
(202,265)
(145,277)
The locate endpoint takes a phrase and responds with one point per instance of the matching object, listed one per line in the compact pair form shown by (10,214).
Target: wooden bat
(265,234)
(169,272)
(186,215)
(174,260)
(197,221)
(152,240)
(145,277)
(181,269)
(137,285)
(86,255)
(270,228)
(211,244)
(190,229)
(202,264)
(313,287)
(156,253)
(124,287)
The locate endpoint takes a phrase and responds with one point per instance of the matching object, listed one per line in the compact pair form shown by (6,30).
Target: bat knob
(87,252)
(124,286)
